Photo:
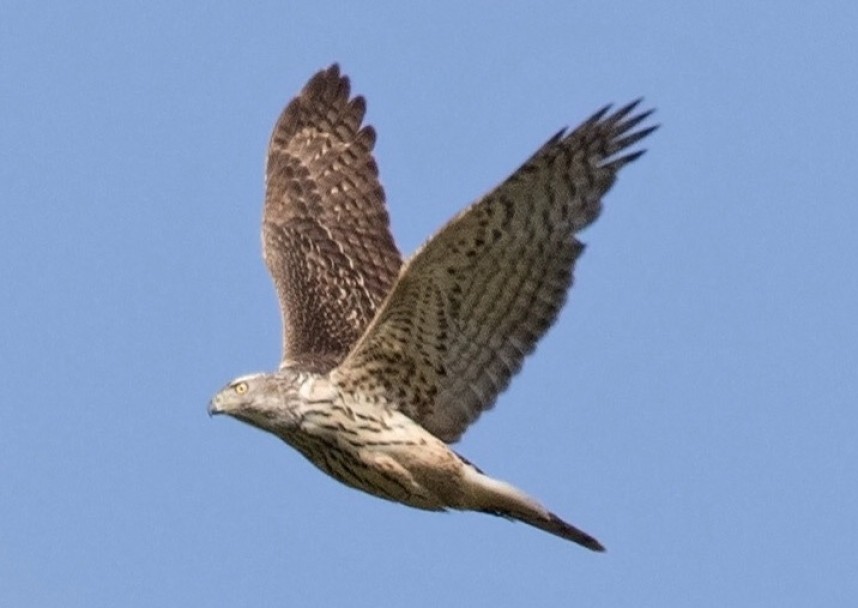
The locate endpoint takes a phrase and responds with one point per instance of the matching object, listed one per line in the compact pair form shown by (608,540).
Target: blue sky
(694,407)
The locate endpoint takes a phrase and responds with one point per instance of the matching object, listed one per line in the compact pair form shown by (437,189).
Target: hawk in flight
(385,363)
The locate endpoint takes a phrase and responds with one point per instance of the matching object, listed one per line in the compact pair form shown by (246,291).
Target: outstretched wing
(474,301)
(325,230)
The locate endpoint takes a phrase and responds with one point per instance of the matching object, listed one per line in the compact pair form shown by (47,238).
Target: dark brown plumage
(325,229)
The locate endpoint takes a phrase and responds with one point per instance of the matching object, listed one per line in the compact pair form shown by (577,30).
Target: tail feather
(500,498)
(558,527)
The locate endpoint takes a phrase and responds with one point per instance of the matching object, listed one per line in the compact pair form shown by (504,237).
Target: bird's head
(266,401)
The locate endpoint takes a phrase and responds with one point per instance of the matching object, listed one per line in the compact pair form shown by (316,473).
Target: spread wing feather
(325,230)
(476,298)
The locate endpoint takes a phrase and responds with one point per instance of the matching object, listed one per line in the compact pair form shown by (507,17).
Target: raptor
(386,364)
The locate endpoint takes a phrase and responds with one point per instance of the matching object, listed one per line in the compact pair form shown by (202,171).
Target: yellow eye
(240,388)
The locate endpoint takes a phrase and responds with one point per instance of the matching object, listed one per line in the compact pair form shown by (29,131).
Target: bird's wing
(474,301)
(325,230)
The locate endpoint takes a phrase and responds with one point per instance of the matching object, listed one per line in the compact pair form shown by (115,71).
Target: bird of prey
(386,364)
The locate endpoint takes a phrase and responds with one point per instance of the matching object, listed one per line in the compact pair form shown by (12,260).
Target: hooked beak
(214,406)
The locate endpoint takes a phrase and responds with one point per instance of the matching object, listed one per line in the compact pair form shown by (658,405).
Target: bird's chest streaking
(375,449)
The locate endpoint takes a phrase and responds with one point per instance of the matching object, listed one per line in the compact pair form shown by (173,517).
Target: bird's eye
(240,388)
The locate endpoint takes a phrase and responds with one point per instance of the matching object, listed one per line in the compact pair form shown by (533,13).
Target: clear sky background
(694,407)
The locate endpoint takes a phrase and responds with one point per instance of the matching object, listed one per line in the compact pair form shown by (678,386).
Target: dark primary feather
(474,301)
(325,229)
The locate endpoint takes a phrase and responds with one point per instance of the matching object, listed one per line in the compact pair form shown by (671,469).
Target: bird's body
(367,446)
(376,448)
(385,365)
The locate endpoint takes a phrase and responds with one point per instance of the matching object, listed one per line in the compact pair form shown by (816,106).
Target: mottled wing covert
(474,301)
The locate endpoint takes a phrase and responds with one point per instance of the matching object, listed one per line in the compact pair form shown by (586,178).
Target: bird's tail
(554,525)
(500,498)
